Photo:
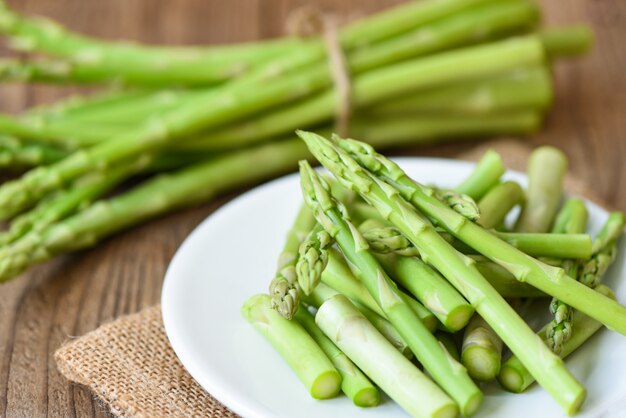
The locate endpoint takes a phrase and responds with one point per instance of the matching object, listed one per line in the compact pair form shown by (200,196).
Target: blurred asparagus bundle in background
(194,122)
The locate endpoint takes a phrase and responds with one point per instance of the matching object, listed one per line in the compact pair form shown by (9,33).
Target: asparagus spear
(447,340)
(485,176)
(284,287)
(570,41)
(295,346)
(323,292)
(503,281)
(546,170)
(498,202)
(354,384)
(549,245)
(482,350)
(312,258)
(400,379)
(516,378)
(15,154)
(458,269)
(521,89)
(549,279)
(450,375)
(571,219)
(66,202)
(427,285)
(385,239)
(339,276)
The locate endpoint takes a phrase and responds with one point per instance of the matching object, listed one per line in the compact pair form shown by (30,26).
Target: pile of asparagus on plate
(188,123)
(379,269)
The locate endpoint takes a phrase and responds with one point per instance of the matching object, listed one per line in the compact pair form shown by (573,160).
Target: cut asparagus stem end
(326,385)
(511,379)
(485,175)
(295,346)
(472,404)
(458,318)
(484,364)
(367,397)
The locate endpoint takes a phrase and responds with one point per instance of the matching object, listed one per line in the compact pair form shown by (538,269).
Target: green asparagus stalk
(284,287)
(458,269)
(129,111)
(546,170)
(549,245)
(323,292)
(521,89)
(498,202)
(339,276)
(354,384)
(549,279)
(569,41)
(66,202)
(571,219)
(312,258)
(295,346)
(447,340)
(482,350)
(78,104)
(161,194)
(516,378)
(450,375)
(503,281)
(381,362)
(484,177)
(427,285)
(17,155)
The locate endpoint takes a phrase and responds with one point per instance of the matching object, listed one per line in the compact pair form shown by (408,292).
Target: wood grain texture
(74,294)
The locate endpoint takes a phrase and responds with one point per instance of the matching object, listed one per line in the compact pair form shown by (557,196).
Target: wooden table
(75,294)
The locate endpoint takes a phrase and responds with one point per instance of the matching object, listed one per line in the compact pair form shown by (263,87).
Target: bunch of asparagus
(193,122)
(378,269)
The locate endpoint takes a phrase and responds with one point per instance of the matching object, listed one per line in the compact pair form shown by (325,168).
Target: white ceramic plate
(232,255)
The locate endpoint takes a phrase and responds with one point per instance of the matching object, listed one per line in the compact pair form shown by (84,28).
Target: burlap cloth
(130,366)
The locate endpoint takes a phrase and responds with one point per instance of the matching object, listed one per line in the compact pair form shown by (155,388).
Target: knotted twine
(306,22)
